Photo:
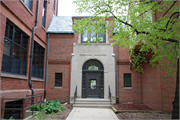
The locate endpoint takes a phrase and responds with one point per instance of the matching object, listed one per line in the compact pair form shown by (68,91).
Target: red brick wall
(168,87)
(151,87)
(15,11)
(129,95)
(62,94)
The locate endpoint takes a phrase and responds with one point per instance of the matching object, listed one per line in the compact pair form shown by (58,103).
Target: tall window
(54,4)
(15,50)
(127,80)
(38,61)
(93,35)
(28,3)
(58,79)
(44,13)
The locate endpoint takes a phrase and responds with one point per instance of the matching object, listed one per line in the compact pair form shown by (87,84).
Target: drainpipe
(32,49)
(47,54)
(117,75)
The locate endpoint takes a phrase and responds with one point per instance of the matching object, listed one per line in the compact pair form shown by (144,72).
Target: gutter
(117,74)
(32,49)
(47,55)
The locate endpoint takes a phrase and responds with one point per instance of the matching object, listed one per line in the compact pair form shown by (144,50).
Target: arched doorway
(93,79)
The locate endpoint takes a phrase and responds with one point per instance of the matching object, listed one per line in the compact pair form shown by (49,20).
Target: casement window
(127,80)
(28,3)
(54,4)
(44,13)
(15,50)
(38,61)
(58,79)
(93,35)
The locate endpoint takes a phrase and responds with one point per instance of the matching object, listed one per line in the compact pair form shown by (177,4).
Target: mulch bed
(131,107)
(127,115)
(62,115)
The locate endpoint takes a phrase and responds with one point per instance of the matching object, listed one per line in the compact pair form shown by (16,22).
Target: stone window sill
(57,87)
(127,87)
(37,79)
(26,7)
(9,75)
(43,28)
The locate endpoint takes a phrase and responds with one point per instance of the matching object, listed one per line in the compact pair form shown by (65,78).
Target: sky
(67,8)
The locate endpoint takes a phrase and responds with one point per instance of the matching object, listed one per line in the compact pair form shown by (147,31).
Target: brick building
(18,19)
(92,68)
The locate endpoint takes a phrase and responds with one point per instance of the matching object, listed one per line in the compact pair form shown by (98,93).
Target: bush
(62,108)
(37,107)
(52,106)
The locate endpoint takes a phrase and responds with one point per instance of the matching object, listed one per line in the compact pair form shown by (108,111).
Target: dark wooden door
(92,85)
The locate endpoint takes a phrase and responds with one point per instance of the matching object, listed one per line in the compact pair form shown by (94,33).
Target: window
(28,3)
(38,61)
(58,79)
(54,4)
(127,80)
(93,35)
(15,50)
(44,13)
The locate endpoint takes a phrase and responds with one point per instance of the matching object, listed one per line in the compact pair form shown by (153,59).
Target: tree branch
(169,8)
(171,17)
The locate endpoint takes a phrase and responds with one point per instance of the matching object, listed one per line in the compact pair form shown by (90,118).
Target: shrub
(52,106)
(37,107)
(62,108)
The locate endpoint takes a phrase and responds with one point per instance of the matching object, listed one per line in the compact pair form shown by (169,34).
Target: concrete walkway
(91,114)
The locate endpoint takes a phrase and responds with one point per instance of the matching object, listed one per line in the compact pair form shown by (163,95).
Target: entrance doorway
(93,79)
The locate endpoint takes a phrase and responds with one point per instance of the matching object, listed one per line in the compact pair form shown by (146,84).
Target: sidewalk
(91,114)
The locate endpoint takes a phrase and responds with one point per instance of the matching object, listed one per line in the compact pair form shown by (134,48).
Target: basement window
(58,79)
(127,80)
(13,113)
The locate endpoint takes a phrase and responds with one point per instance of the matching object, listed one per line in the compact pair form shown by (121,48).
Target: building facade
(92,69)
(18,18)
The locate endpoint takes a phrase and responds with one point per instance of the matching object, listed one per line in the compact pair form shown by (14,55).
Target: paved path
(91,114)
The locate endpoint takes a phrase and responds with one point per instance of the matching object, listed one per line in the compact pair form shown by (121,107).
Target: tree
(134,26)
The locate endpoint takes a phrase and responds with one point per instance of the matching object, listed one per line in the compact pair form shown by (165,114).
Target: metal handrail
(110,93)
(23,108)
(75,94)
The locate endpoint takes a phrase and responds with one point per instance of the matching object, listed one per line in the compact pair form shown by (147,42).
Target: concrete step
(91,100)
(92,103)
(105,103)
(91,106)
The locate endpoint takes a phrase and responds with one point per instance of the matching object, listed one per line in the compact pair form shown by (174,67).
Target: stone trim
(6,75)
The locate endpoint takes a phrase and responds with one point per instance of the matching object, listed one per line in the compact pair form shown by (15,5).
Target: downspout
(32,49)
(117,75)
(47,54)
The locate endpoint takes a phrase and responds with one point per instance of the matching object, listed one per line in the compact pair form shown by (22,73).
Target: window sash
(38,61)
(127,80)
(12,52)
(58,79)
(28,3)
(54,4)
(86,36)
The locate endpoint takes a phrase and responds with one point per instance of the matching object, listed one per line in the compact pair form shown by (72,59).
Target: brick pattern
(17,13)
(62,93)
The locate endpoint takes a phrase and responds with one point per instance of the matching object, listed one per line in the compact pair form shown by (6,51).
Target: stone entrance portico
(102,52)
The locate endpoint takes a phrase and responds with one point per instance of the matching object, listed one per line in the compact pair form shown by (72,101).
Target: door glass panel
(93,68)
(92,84)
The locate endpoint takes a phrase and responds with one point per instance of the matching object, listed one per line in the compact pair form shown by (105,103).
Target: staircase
(92,103)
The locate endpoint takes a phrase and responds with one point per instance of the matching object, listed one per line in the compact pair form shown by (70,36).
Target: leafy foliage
(52,106)
(37,107)
(134,26)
